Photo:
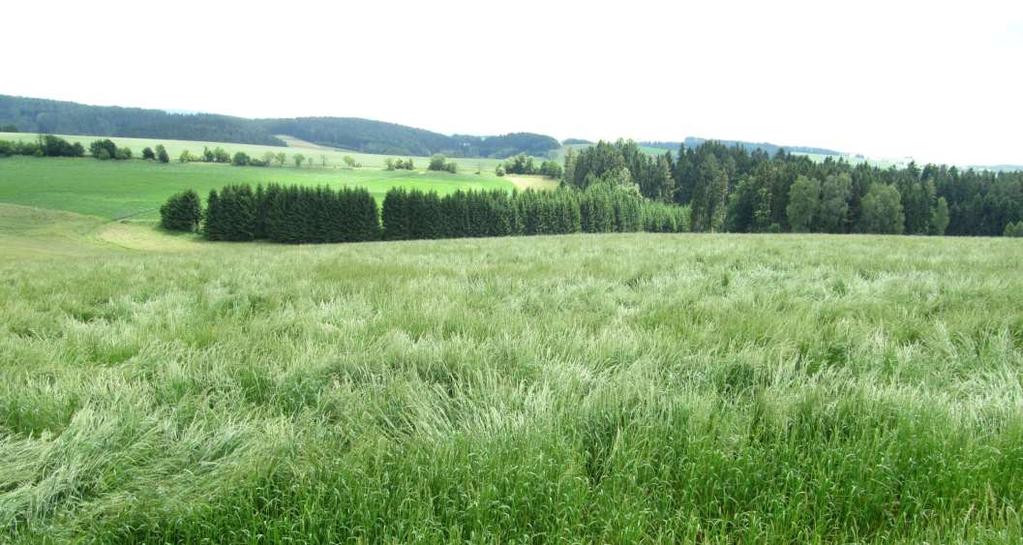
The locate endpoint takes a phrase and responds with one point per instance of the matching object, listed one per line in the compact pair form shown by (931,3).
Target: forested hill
(771,149)
(57,117)
(389,138)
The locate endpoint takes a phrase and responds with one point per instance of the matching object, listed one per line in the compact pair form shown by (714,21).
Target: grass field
(634,388)
(585,389)
(334,157)
(117,189)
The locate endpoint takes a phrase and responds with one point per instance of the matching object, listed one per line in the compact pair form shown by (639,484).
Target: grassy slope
(615,388)
(333,156)
(114,189)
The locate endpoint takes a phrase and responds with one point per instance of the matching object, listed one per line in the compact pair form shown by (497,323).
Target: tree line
(730,188)
(414,214)
(365,135)
(291,214)
(298,214)
(59,117)
(46,145)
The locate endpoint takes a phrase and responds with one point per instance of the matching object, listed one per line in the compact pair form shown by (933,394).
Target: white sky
(934,80)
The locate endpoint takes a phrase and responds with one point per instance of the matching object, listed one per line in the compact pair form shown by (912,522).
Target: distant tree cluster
(182,212)
(45,146)
(106,149)
(8,128)
(523,164)
(625,164)
(238,159)
(54,146)
(160,154)
(734,189)
(440,163)
(398,164)
(291,214)
(242,159)
(215,155)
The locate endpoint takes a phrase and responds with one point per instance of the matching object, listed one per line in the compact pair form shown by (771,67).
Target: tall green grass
(630,388)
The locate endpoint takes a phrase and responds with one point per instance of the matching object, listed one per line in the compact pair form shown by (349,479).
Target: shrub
(161,154)
(220,155)
(215,155)
(1014,229)
(240,159)
(181,212)
(54,146)
(103,149)
(399,164)
(664,218)
(520,164)
(523,164)
(439,163)
(148,153)
(551,169)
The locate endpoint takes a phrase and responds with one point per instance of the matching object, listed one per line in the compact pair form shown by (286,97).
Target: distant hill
(58,117)
(771,149)
(364,135)
(370,136)
(998,168)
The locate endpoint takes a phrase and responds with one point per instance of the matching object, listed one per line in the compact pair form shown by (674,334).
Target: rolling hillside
(363,135)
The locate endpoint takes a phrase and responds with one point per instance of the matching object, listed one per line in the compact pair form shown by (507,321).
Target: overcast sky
(889,79)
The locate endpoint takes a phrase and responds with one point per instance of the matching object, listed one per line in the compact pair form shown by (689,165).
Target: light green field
(118,189)
(634,388)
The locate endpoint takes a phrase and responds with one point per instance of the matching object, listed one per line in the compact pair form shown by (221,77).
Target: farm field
(136,188)
(312,151)
(620,388)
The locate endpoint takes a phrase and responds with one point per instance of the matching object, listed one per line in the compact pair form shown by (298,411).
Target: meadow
(136,188)
(621,388)
(334,157)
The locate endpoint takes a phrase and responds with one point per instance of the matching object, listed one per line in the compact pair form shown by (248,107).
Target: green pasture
(136,188)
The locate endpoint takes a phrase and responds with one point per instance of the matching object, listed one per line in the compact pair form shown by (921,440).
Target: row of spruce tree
(291,214)
(297,214)
(414,214)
